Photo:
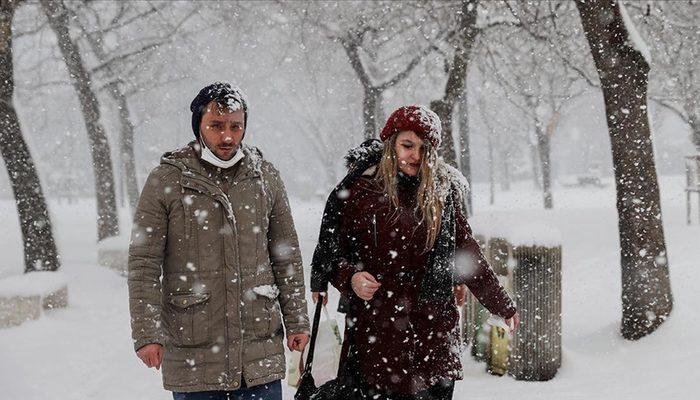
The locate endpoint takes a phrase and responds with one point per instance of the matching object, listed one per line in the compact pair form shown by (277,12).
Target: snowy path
(84,352)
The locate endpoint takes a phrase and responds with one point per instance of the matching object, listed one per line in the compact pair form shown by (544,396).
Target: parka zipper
(223,198)
(374,229)
(239,280)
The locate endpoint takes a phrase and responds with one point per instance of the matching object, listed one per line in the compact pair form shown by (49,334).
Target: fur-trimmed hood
(365,157)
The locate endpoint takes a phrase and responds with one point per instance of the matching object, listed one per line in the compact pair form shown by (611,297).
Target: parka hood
(368,154)
(364,156)
(187,158)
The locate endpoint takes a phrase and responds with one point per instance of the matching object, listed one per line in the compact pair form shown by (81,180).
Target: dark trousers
(269,391)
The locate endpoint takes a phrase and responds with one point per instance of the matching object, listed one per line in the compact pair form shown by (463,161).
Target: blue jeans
(268,391)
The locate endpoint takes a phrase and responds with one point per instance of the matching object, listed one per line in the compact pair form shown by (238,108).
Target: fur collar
(367,155)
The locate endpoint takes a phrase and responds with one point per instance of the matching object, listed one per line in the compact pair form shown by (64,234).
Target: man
(214,222)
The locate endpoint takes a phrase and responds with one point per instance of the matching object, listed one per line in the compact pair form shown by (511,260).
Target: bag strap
(314,333)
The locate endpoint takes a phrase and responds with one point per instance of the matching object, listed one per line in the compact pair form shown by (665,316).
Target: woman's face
(409,151)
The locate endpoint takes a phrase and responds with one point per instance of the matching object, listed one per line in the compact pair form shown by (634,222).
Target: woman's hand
(461,294)
(513,322)
(364,285)
(314,297)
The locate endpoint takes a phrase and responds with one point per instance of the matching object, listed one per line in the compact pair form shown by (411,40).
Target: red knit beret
(419,119)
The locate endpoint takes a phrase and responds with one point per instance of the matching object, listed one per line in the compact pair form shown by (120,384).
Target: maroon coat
(403,347)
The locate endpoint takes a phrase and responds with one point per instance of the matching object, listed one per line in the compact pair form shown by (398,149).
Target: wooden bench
(25,297)
(113,253)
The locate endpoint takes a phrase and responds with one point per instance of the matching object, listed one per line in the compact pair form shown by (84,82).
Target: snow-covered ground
(85,351)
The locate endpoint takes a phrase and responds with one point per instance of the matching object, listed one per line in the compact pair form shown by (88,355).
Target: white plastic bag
(326,356)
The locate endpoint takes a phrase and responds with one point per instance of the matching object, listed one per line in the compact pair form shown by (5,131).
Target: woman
(391,233)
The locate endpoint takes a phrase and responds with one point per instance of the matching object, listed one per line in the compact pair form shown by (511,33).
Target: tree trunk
(456,78)
(646,287)
(126,146)
(534,160)
(107,223)
(119,179)
(492,172)
(379,117)
(447,148)
(543,148)
(505,182)
(464,145)
(372,110)
(126,132)
(371,94)
(369,109)
(39,247)
(695,132)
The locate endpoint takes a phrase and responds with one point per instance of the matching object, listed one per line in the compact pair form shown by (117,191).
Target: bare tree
(461,38)
(373,37)
(114,65)
(35,222)
(624,72)
(490,138)
(315,108)
(352,43)
(115,90)
(457,76)
(107,222)
(539,86)
(673,30)
(501,123)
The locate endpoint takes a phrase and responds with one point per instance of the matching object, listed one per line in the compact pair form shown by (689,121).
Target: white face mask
(211,158)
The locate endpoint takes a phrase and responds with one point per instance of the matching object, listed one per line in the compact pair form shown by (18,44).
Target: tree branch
(411,65)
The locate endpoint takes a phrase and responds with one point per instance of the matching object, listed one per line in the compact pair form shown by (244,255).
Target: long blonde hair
(429,203)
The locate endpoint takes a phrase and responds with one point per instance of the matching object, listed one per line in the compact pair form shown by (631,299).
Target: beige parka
(224,244)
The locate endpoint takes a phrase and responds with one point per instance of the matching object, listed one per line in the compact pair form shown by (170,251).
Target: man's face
(221,130)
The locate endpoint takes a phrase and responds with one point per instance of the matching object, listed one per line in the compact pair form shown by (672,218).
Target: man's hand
(364,285)
(314,297)
(151,355)
(461,294)
(298,341)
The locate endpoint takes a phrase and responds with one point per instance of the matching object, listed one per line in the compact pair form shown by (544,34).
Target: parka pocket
(188,319)
(268,320)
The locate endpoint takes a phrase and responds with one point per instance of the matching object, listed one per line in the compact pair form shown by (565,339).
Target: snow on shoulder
(367,152)
(255,156)
(450,178)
